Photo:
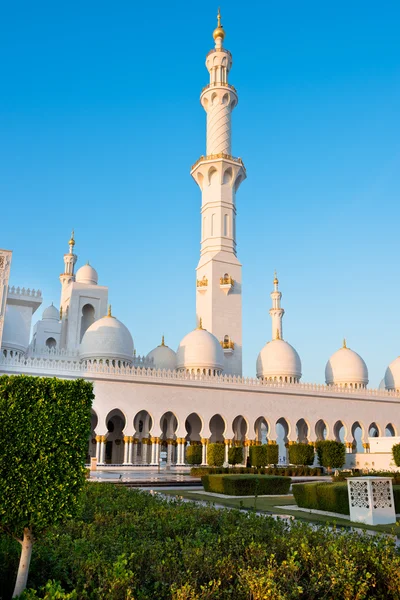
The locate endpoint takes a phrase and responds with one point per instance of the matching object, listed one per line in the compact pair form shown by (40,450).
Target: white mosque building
(169,399)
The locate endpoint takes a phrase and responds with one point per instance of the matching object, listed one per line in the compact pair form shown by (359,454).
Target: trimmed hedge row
(283,471)
(343,475)
(331,497)
(301,454)
(235,455)
(266,454)
(215,454)
(194,455)
(246,485)
(331,454)
(396,454)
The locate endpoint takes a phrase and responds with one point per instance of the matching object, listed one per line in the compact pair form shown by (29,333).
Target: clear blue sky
(100,121)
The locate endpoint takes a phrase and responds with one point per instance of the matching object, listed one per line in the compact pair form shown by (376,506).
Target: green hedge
(194,455)
(283,471)
(301,454)
(266,454)
(396,454)
(344,475)
(215,454)
(331,454)
(332,497)
(235,455)
(272,454)
(246,485)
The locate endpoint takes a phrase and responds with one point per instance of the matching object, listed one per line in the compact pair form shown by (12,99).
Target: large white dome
(51,313)
(392,375)
(279,361)
(347,368)
(200,351)
(15,331)
(163,357)
(107,339)
(87,274)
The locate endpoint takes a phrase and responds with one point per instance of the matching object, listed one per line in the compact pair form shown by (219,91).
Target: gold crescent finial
(344,343)
(162,341)
(219,17)
(278,337)
(275,278)
(72,239)
(200,324)
(109,311)
(219,30)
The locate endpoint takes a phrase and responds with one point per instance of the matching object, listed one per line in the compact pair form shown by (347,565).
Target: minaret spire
(276,311)
(69,262)
(219,175)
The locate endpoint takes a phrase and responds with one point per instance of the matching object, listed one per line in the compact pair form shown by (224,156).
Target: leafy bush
(331,454)
(258,456)
(284,471)
(272,454)
(331,497)
(194,455)
(301,454)
(396,454)
(235,455)
(344,475)
(215,454)
(246,485)
(128,544)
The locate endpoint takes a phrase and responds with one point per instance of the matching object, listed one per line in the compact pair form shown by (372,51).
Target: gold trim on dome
(162,341)
(109,315)
(200,324)
(72,239)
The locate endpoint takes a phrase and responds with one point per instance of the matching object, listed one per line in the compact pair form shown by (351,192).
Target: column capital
(204,440)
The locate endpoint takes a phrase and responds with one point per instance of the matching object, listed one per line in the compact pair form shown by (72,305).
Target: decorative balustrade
(54,364)
(17,291)
(234,159)
(219,84)
(219,50)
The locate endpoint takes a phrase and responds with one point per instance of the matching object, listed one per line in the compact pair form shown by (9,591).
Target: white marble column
(228,443)
(103,449)
(98,447)
(130,450)
(126,449)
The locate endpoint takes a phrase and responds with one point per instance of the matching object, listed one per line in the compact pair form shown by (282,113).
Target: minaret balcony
(202,285)
(227,345)
(226,283)
(233,159)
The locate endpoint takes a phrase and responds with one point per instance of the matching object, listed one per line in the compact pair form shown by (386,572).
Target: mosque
(165,400)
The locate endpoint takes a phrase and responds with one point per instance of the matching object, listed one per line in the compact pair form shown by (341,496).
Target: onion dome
(105,340)
(200,352)
(87,274)
(392,375)
(163,357)
(51,313)
(346,368)
(15,332)
(279,361)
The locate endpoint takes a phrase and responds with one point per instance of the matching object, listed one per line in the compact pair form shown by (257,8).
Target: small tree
(331,454)
(215,454)
(301,454)
(194,454)
(396,454)
(235,455)
(272,454)
(44,432)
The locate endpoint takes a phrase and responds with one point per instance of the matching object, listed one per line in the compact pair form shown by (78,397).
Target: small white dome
(200,351)
(107,339)
(87,274)
(163,357)
(15,331)
(346,367)
(279,360)
(51,313)
(392,375)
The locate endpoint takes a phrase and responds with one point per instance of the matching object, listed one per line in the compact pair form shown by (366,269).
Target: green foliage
(215,454)
(194,455)
(344,475)
(331,454)
(272,454)
(396,454)
(284,471)
(246,485)
(301,454)
(258,456)
(127,544)
(331,497)
(235,455)
(45,425)
(51,591)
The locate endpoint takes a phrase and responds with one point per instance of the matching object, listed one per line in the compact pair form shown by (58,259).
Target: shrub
(194,455)
(215,454)
(331,497)
(331,454)
(396,454)
(235,455)
(272,454)
(290,471)
(344,475)
(301,454)
(246,485)
(258,456)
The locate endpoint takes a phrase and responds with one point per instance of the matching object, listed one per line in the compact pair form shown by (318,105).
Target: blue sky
(100,121)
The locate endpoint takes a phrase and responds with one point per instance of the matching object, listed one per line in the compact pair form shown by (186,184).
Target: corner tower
(219,175)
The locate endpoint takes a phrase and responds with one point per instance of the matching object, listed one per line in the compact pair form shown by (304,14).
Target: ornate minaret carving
(5,265)
(276,311)
(69,263)
(219,175)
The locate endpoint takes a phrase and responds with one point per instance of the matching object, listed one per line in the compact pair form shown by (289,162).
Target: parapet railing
(24,292)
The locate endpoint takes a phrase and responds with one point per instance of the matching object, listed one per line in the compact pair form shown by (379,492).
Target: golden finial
(275,278)
(162,341)
(219,31)
(72,240)
(200,324)
(344,343)
(109,311)
(278,337)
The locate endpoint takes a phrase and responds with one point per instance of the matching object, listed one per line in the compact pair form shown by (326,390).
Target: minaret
(69,263)
(219,175)
(276,311)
